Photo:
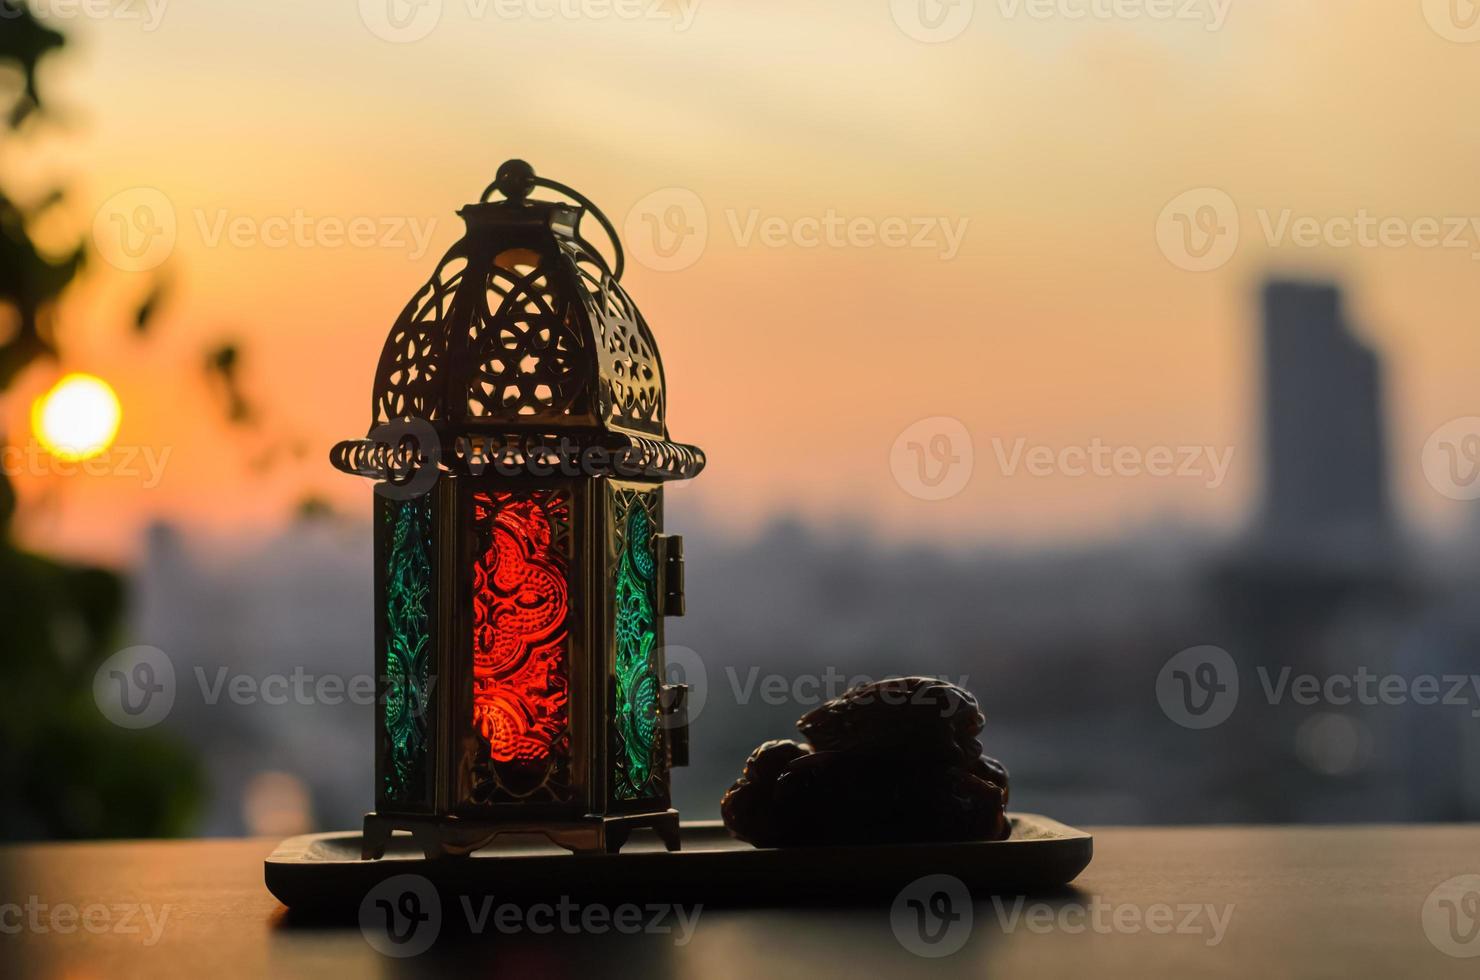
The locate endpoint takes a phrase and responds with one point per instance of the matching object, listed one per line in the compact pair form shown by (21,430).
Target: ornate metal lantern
(519,443)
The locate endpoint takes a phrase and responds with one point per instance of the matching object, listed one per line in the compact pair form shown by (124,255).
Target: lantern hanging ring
(515,179)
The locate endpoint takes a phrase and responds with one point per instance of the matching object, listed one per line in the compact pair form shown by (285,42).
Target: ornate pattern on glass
(638,771)
(521,606)
(408,646)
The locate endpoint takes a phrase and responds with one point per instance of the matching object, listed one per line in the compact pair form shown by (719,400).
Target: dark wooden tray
(322,874)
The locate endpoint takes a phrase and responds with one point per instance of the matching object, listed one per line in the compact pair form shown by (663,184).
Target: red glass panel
(520,608)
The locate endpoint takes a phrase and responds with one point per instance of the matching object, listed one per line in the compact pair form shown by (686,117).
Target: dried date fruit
(748,806)
(889,762)
(933,718)
(989,769)
(861,797)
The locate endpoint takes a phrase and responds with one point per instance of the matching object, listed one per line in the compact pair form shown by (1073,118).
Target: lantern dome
(522,347)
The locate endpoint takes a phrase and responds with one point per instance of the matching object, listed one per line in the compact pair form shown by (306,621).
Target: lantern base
(444,837)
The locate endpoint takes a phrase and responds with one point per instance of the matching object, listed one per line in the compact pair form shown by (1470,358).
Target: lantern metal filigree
(519,444)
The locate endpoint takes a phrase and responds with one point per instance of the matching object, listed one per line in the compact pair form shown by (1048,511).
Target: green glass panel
(638,772)
(408,647)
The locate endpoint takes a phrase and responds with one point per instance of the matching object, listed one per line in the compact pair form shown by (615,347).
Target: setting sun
(78,418)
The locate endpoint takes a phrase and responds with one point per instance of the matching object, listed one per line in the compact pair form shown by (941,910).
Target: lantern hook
(515,179)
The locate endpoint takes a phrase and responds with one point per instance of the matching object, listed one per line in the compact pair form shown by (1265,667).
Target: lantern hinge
(674,705)
(671,546)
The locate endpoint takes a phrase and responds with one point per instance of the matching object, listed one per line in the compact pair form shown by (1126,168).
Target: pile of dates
(890,762)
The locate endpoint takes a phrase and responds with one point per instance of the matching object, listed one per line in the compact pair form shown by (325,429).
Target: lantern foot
(375,838)
(665,825)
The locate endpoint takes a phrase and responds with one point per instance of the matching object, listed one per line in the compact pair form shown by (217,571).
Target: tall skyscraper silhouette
(1326,496)
(1317,587)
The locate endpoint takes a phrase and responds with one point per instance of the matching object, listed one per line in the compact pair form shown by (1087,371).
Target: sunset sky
(1051,145)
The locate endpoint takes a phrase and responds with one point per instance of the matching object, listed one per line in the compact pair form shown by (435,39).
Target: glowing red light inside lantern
(520,607)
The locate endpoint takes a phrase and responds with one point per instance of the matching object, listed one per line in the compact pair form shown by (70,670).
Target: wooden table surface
(1306,902)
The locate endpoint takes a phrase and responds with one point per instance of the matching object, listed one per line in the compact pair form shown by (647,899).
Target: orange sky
(1055,143)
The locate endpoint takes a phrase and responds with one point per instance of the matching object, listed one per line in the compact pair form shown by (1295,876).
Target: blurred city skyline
(1056,155)
(1070,649)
